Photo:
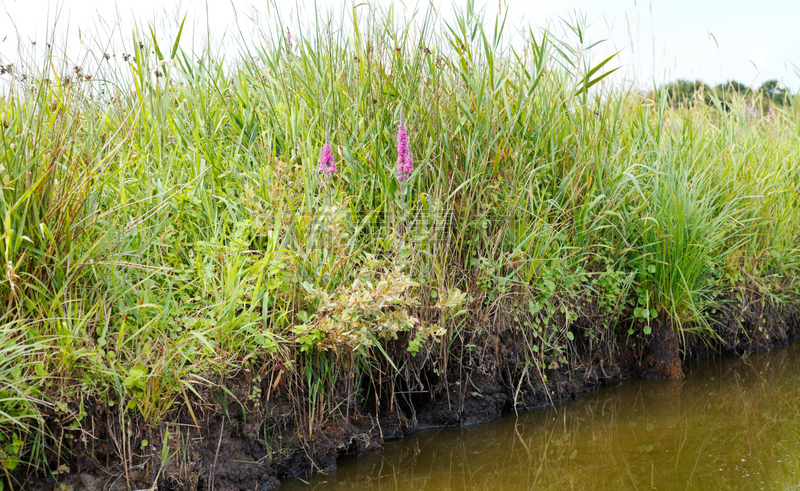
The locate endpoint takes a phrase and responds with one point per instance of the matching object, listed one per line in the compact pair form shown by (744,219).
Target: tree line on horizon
(684,92)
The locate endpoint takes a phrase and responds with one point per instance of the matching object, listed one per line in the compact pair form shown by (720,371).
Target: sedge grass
(164,227)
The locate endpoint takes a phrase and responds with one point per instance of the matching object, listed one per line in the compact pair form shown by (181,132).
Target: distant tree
(683,92)
(772,90)
(732,86)
(726,92)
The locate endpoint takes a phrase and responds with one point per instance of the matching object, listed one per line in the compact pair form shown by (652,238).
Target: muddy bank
(232,440)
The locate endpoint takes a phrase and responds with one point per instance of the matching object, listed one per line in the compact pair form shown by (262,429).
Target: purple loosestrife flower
(751,111)
(327,164)
(405,160)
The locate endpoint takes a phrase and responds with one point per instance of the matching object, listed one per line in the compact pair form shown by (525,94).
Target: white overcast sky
(660,40)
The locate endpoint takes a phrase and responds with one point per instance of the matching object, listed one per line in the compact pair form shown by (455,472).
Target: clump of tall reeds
(160,232)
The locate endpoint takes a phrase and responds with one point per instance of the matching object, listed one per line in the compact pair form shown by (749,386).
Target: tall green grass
(164,227)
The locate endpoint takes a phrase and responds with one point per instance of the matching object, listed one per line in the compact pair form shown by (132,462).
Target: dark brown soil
(663,359)
(228,446)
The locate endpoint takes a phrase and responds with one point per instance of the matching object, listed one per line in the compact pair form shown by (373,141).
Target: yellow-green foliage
(157,230)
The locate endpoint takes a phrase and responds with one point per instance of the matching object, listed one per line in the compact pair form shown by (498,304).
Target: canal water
(731,423)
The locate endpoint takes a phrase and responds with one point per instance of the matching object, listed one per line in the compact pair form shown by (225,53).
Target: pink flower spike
(405,160)
(327,164)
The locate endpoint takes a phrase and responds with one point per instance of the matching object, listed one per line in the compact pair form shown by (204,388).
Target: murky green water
(732,423)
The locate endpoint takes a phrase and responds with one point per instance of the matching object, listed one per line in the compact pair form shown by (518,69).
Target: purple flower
(327,165)
(288,39)
(405,160)
(770,114)
(751,111)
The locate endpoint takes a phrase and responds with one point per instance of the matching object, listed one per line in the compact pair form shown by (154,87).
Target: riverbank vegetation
(178,241)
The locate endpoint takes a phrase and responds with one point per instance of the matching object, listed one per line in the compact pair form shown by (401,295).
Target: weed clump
(167,250)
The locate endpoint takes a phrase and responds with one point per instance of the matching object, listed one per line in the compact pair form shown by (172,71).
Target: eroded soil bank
(729,423)
(230,440)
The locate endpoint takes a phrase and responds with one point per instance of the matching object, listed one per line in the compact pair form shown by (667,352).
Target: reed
(165,227)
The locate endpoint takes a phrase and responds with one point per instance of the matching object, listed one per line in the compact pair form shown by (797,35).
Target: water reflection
(730,424)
